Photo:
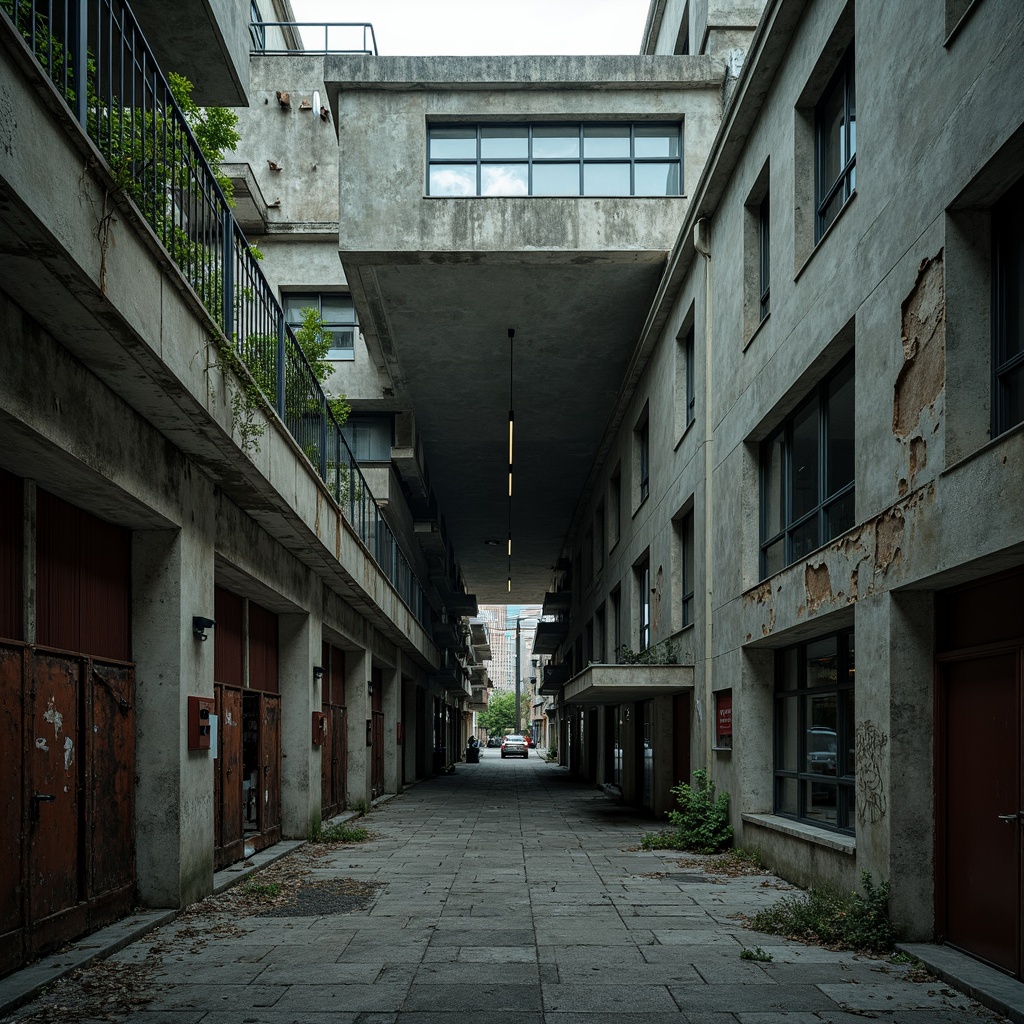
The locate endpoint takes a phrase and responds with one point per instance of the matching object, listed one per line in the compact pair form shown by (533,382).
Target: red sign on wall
(723,718)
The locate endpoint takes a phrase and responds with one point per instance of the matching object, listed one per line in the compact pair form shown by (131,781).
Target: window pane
(558,142)
(832,155)
(295,302)
(787,725)
(456,143)
(835,205)
(803,539)
(556,179)
(688,554)
(805,460)
(1011,397)
(773,497)
(839,516)
(774,557)
(504,180)
(822,662)
(656,180)
(847,811)
(790,678)
(840,430)
(452,180)
(821,801)
(822,753)
(503,143)
(654,140)
(606,140)
(606,180)
(786,797)
(1008,222)
(337,309)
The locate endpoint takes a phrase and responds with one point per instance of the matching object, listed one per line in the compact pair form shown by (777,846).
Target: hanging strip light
(511,426)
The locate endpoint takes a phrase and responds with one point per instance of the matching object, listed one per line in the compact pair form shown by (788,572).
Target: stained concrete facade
(116,399)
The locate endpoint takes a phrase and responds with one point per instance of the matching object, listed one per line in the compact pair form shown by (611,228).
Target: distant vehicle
(514,746)
(529,740)
(494,741)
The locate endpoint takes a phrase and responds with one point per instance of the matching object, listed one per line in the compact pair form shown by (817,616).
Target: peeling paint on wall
(818,585)
(888,539)
(870,746)
(922,376)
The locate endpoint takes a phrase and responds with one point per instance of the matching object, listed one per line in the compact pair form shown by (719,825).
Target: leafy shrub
(825,916)
(701,824)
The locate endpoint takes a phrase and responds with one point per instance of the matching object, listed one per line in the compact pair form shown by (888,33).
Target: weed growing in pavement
(360,807)
(826,916)
(261,890)
(339,833)
(756,953)
(735,862)
(702,822)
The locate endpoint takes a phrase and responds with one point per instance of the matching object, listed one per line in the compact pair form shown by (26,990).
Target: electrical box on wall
(200,711)
(319,728)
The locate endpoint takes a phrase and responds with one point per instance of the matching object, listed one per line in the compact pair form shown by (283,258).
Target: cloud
(450,182)
(503,181)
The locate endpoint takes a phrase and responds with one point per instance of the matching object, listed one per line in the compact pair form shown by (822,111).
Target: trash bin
(472,755)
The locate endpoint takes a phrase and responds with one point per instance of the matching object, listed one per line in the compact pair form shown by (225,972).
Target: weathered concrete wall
(383,106)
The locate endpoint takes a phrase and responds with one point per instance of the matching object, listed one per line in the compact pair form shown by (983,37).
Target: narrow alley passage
(506,888)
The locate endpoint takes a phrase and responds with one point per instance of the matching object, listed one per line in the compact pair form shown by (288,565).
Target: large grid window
(835,134)
(338,314)
(1008,306)
(814,733)
(684,527)
(554,159)
(807,468)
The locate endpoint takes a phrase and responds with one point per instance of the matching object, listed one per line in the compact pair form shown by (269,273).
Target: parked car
(494,741)
(514,746)
(529,740)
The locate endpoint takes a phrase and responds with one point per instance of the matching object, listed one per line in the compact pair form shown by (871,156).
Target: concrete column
(172,580)
(357,703)
(392,713)
(298,651)
(909,819)
(412,730)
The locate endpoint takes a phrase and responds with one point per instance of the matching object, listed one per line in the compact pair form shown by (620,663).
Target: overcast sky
(468,27)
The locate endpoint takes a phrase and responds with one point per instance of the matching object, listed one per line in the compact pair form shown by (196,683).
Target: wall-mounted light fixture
(369,687)
(200,624)
(318,673)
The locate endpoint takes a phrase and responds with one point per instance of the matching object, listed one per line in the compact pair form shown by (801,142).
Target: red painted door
(981,810)
(12,916)
(228,840)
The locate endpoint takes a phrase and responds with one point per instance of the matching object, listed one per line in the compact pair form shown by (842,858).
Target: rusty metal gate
(333,753)
(67,838)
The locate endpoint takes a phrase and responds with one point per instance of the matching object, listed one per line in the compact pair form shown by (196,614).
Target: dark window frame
(844,778)
(643,439)
(289,300)
(257,30)
(686,567)
(826,500)
(529,161)
(643,573)
(845,182)
(689,354)
(764,254)
(1007,267)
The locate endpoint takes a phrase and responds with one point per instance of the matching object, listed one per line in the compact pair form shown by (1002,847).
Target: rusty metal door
(55,886)
(12,757)
(377,756)
(110,728)
(980,811)
(270,768)
(228,841)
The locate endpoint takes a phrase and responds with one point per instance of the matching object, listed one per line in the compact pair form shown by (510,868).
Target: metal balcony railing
(317,36)
(95,55)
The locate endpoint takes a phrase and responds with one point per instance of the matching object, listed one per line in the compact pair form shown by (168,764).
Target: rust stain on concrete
(922,376)
(818,585)
(918,457)
(759,595)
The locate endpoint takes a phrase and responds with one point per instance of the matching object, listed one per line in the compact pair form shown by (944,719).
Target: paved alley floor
(506,890)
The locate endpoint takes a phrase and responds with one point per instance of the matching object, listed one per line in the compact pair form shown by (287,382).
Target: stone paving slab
(515,890)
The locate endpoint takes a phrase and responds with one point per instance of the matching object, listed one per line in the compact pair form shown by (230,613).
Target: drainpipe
(702,243)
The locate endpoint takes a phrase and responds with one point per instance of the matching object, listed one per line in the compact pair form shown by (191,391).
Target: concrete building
(662,340)
(213,636)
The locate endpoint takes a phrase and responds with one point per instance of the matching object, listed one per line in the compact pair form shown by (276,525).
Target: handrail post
(323,436)
(80,59)
(228,272)
(280,363)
